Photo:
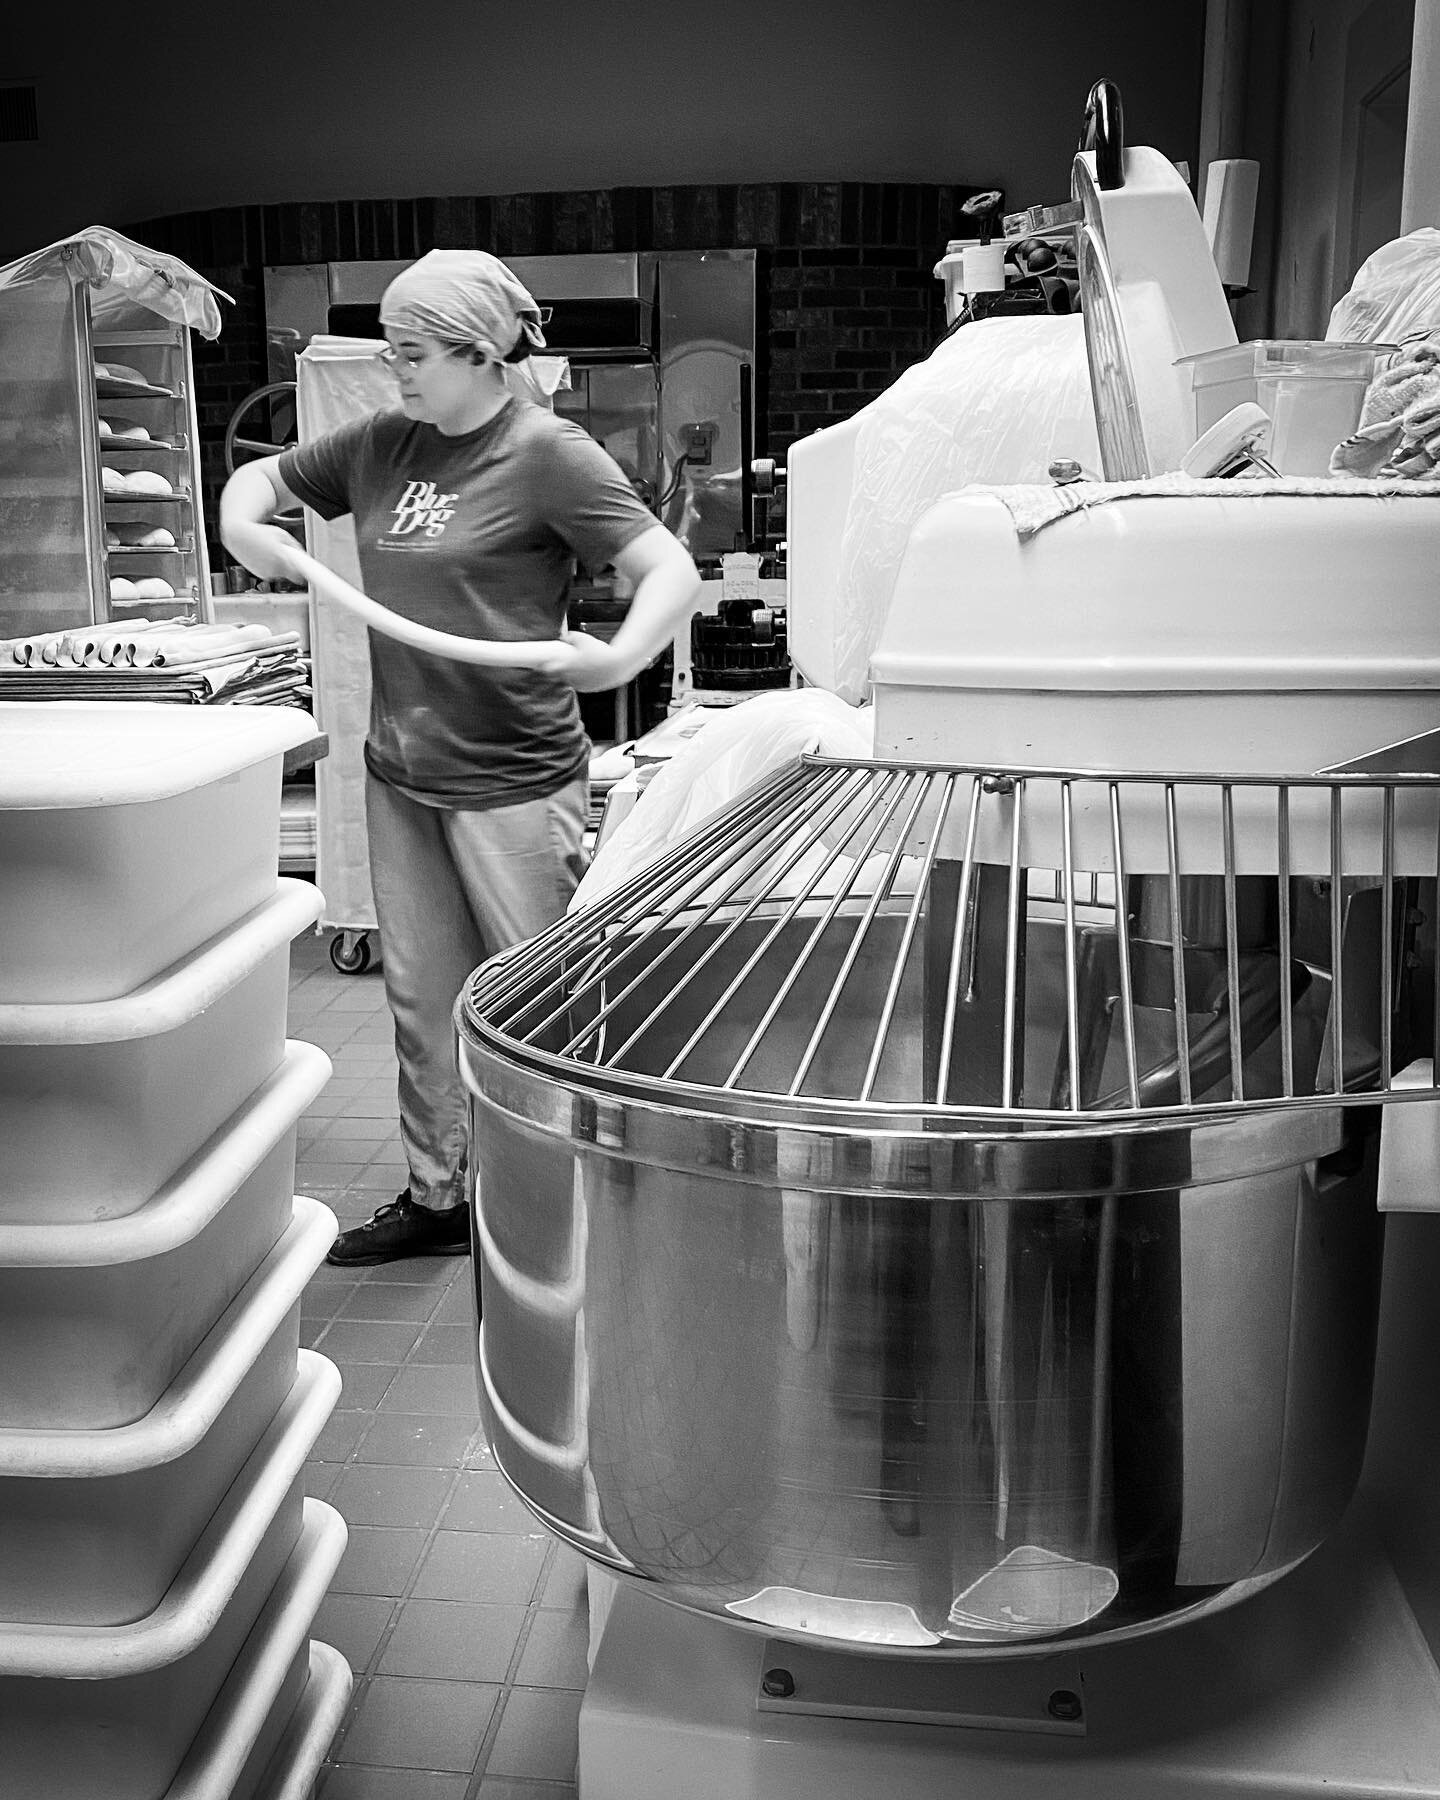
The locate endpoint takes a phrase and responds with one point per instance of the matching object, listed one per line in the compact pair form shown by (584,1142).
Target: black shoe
(401,1229)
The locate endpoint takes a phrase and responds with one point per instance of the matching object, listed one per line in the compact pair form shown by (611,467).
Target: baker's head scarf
(464,297)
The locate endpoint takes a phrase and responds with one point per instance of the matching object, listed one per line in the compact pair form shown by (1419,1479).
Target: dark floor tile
(434,1272)
(429,1441)
(539,1736)
(446,1344)
(371,1340)
(556,1652)
(323,1303)
(377,1494)
(390,1300)
(467,1565)
(565,1584)
(340,1434)
(453,1640)
(320,1479)
(394,1784)
(458,1306)
(363,1384)
(378,1559)
(354,1624)
(515,1787)
(483,1501)
(435,1388)
(412,1724)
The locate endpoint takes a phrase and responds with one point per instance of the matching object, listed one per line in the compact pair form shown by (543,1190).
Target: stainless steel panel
(944,1424)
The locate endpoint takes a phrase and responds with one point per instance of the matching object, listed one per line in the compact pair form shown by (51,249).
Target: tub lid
(57,754)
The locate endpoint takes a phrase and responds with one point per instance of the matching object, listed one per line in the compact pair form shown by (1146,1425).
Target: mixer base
(1321,1685)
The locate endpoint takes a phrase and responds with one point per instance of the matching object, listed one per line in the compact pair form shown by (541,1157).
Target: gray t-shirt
(474,535)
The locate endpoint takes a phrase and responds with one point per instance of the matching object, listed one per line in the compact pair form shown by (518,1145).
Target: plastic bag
(123,274)
(1395,293)
(733,751)
(996,403)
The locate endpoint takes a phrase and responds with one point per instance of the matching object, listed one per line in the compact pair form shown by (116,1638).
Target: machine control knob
(766,475)
(1065,1704)
(778,1684)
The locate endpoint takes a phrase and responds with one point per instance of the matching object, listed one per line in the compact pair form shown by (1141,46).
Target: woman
(470,505)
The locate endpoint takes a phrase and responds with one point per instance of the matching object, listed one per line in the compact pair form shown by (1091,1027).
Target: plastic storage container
(97,1319)
(282,1701)
(131,834)
(1313,392)
(101,1102)
(97,1523)
(90,1713)
(295,1763)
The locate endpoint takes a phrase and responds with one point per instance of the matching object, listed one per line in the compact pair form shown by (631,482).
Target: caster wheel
(350,952)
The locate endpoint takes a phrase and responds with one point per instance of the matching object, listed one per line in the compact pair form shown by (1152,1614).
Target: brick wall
(846,296)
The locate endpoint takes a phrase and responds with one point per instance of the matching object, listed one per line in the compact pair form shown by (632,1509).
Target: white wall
(162,107)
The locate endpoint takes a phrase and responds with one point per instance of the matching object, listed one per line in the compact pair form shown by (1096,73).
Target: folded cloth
(1034,506)
(1400,417)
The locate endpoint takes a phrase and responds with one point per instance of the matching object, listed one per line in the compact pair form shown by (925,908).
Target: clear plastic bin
(1313,392)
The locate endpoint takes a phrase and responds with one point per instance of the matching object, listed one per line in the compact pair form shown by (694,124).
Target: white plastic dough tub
(283,1700)
(295,1765)
(124,1723)
(101,1103)
(131,834)
(97,1319)
(94,1525)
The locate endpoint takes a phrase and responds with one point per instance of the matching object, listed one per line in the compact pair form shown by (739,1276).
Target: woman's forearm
(247,529)
(662,603)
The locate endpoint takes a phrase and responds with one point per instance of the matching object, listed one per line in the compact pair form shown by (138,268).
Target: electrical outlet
(697,440)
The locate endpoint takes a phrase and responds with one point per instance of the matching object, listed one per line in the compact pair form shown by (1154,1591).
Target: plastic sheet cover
(340,379)
(996,403)
(734,751)
(123,275)
(1395,294)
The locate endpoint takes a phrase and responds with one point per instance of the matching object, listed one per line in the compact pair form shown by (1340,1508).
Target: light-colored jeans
(452,888)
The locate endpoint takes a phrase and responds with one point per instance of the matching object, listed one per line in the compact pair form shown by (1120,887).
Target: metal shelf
(147,499)
(131,445)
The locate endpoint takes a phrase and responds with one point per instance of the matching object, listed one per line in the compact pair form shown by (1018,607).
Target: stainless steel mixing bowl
(888,1377)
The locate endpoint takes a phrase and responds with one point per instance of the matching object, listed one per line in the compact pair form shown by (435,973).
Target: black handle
(1104,132)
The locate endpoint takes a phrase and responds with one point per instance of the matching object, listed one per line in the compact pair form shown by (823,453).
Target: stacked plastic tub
(160,1566)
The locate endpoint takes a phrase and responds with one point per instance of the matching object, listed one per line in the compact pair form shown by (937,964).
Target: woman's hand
(587,663)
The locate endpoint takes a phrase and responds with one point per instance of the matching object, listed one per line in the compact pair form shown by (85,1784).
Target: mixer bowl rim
(830,1147)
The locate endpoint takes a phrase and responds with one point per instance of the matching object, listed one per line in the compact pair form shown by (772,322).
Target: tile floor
(464,1622)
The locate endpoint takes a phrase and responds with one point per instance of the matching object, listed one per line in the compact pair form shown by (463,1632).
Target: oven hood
(602,308)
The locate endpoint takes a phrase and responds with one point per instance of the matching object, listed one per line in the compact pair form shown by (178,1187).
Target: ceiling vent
(19,113)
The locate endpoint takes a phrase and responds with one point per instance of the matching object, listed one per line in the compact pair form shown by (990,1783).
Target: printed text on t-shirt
(423,509)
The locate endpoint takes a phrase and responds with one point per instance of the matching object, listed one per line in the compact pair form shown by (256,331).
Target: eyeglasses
(413,359)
